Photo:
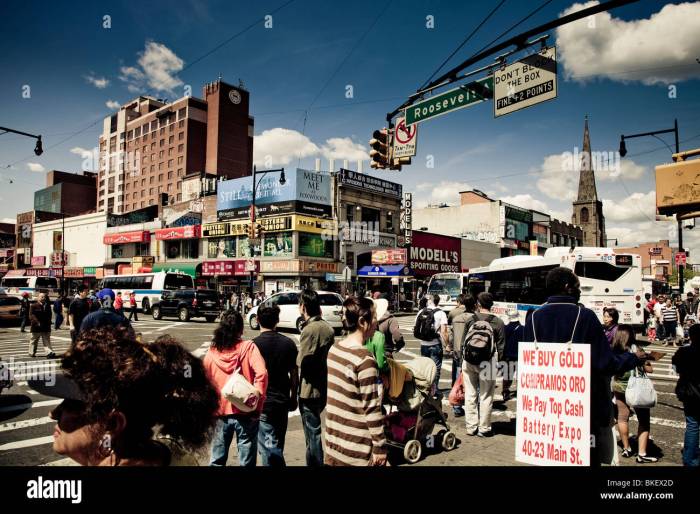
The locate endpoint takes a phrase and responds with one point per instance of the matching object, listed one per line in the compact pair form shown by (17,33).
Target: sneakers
(472,432)
(485,434)
(31,354)
(642,459)
(51,355)
(627,453)
(458,412)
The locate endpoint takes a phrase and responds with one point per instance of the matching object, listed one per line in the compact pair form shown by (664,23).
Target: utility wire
(466,40)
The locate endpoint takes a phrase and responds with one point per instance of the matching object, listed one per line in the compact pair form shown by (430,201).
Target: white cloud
(561,215)
(156,70)
(98,82)
(112,104)
(430,193)
(660,49)
(344,148)
(555,180)
(625,168)
(33,166)
(82,152)
(637,207)
(526,202)
(279,146)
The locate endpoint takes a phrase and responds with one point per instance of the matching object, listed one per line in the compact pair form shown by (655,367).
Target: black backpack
(478,343)
(424,329)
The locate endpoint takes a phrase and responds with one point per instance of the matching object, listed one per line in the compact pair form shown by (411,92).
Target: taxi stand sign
(554,404)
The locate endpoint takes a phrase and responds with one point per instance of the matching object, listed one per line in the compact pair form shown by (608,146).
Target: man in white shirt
(660,332)
(433,348)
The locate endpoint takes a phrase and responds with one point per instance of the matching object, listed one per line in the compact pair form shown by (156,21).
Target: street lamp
(282,181)
(623,152)
(613,239)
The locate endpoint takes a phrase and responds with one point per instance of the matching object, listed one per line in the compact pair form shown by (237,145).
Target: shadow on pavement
(8,400)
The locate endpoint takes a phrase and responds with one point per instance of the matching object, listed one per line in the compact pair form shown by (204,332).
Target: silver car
(290,316)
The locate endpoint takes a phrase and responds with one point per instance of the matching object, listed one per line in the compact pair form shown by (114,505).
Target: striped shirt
(354,421)
(669,313)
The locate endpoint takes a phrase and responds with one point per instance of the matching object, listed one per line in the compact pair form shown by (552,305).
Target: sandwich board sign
(404,139)
(529,81)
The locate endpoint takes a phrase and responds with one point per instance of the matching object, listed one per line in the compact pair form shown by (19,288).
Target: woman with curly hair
(228,354)
(130,404)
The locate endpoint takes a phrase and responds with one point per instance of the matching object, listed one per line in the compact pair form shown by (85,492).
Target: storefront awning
(188,268)
(396,270)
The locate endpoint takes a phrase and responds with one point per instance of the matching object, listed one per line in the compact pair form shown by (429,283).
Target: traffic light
(258,231)
(251,231)
(381,149)
(401,161)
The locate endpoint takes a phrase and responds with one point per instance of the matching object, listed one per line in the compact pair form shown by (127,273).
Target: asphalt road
(25,428)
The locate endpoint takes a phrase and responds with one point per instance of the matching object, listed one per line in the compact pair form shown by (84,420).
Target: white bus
(518,282)
(147,287)
(16,286)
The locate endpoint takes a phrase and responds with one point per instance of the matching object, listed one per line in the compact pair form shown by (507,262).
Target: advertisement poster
(313,245)
(434,253)
(221,248)
(278,245)
(244,249)
(554,404)
(304,191)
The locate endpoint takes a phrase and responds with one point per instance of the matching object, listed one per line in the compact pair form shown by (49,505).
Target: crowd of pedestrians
(247,388)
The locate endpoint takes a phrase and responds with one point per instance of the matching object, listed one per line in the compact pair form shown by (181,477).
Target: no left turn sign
(404,139)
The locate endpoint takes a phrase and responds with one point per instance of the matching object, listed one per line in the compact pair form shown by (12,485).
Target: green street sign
(463,96)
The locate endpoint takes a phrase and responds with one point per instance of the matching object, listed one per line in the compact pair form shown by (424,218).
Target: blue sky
(55,48)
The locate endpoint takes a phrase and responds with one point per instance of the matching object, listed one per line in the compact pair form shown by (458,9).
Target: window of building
(370,215)
(127,186)
(584,215)
(160,189)
(181,173)
(144,149)
(180,148)
(120,187)
(179,186)
(154,125)
(170,176)
(153,168)
(161,154)
(110,204)
(126,197)
(160,179)
(160,166)
(172,125)
(143,204)
(162,142)
(151,202)
(182,113)
(349,213)
(181,136)
(171,140)
(153,146)
(137,132)
(162,130)
(181,124)
(390,221)
(150,191)
(170,188)
(143,193)
(152,180)
(170,164)
(179,196)
(130,134)
(143,182)
(110,185)
(145,158)
(179,160)
(145,136)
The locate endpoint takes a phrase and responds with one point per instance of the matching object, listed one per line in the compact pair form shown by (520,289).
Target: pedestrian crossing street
(663,369)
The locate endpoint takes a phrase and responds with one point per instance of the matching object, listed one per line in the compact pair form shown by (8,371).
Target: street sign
(250,264)
(680,259)
(525,83)
(452,100)
(346,274)
(404,139)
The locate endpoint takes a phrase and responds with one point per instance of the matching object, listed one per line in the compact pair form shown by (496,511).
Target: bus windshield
(445,285)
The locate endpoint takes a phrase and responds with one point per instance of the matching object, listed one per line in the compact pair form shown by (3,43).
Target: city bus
(518,282)
(147,287)
(16,286)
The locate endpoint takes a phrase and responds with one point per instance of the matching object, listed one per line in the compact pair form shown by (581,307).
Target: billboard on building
(305,192)
(434,253)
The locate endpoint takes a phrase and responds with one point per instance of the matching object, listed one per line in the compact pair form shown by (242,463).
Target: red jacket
(221,365)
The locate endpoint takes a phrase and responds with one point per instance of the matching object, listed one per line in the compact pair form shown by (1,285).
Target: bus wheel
(146,306)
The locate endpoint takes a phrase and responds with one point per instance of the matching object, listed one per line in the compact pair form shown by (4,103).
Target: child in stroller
(413,413)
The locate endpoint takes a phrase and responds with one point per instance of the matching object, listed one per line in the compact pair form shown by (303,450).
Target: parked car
(188,303)
(290,317)
(9,309)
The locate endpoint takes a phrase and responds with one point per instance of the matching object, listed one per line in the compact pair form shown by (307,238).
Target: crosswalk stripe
(32,405)
(26,443)
(15,425)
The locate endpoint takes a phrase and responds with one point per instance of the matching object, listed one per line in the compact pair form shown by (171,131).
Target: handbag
(640,392)
(456,396)
(680,333)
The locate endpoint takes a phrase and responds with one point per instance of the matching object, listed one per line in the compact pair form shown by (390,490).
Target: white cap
(381,305)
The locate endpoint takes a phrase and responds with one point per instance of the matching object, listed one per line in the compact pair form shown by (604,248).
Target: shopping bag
(456,396)
(640,392)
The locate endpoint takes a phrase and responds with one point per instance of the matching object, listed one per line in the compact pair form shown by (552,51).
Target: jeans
(246,429)
(670,329)
(271,437)
(25,322)
(435,353)
(310,410)
(59,321)
(133,312)
(691,449)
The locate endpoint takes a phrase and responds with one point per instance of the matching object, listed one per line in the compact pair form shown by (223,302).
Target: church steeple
(588,210)
(586,184)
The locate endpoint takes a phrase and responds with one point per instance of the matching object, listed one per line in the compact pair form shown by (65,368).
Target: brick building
(148,146)
(70,193)
(658,258)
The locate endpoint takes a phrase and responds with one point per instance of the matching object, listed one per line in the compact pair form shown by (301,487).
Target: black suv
(188,303)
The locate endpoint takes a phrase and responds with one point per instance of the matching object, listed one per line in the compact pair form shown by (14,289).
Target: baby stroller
(412,417)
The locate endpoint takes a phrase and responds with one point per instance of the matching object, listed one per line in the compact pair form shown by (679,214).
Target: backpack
(478,343)
(424,329)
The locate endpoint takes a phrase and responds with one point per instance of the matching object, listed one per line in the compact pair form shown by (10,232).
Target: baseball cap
(60,386)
